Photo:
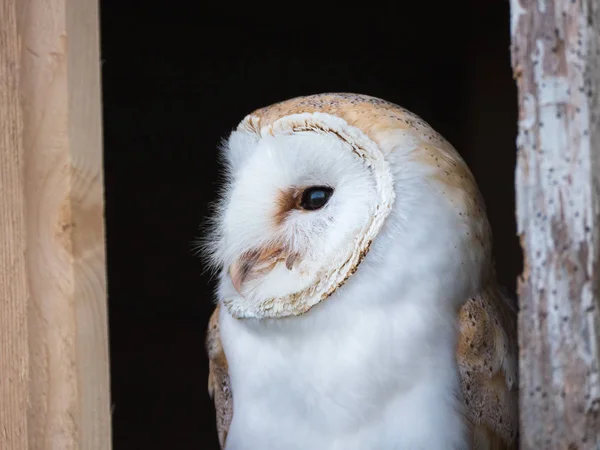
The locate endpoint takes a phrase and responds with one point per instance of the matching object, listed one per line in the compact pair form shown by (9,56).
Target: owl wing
(218,378)
(487,361)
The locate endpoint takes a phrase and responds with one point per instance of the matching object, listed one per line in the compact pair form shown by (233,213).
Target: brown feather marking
(458,184)
(255,262)
(289,262)
(370,114)
(485,439)
(487,383)
(218,378)
(374,116)
(287,200)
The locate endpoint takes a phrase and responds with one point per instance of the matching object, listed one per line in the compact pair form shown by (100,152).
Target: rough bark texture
(556,54)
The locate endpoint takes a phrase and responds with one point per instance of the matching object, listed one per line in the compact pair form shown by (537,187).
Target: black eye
(315,197)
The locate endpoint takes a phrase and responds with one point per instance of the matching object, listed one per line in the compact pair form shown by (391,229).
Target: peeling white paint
(516,11)
(554,96)
(542,6)
(528,111)
(558,202)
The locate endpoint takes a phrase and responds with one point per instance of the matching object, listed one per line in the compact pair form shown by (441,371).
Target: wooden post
(54,378)
(556,62)
(13,273)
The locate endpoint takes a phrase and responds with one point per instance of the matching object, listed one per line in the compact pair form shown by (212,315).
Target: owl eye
(315,197)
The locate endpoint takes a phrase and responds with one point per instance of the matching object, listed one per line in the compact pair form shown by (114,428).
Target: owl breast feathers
(358,306)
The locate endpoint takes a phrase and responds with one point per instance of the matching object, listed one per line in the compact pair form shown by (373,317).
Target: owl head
(317,186)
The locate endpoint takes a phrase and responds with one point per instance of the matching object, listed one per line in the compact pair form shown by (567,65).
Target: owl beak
(254,263)
(251,264)
(238,273)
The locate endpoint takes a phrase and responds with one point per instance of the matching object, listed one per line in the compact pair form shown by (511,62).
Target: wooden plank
(13,278)
(556,62)
(87,218)
(69,404)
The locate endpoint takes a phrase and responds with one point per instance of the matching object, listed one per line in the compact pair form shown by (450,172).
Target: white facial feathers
(282,258)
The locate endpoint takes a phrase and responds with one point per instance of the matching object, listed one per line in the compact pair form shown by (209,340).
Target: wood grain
(87,224)
(556,56)
(13,276)
(60,84)
(53,195)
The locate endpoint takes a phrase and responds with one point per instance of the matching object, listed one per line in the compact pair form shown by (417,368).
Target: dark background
(178,76)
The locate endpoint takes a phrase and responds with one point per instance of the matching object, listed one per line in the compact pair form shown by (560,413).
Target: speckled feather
(218,378)
(486,352)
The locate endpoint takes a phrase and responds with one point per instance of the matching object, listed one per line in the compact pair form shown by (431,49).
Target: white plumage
(349,326)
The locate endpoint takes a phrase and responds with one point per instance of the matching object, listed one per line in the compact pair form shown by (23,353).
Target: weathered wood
(52,170)
(13,279)
(556,56)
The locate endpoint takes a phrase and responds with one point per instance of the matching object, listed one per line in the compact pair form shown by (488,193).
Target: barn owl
(358,306)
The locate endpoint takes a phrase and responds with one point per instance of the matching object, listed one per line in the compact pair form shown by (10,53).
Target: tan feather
(487,361)
(218,378)
(485,439)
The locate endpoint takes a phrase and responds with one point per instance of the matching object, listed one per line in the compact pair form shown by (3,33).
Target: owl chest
(345,386)
(328,373)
